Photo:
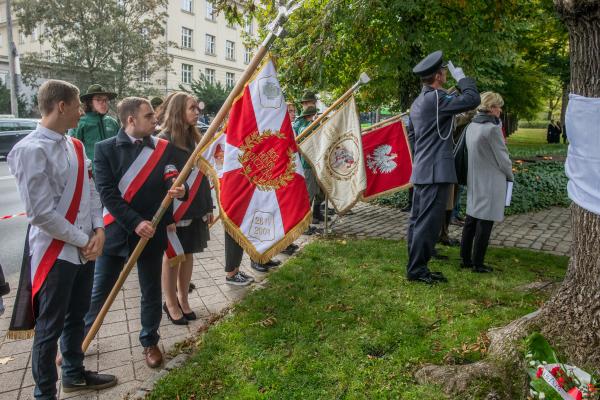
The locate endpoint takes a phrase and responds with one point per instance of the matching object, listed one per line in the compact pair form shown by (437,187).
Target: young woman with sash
(192,217)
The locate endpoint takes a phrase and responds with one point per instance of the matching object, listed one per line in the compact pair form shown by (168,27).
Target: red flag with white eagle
(255,167)
(388,161)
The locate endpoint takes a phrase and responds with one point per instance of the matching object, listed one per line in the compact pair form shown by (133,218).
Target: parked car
(12,130)
(202,127)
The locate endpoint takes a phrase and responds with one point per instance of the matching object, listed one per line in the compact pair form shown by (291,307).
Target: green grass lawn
(340,321)
(527,143)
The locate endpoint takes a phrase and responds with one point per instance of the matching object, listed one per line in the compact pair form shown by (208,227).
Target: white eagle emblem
(382,159)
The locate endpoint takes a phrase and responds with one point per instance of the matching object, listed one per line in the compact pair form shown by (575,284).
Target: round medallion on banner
(341,158)
(270,92)
(267,160)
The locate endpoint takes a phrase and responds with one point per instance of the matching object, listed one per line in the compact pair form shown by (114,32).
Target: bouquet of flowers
(552,380)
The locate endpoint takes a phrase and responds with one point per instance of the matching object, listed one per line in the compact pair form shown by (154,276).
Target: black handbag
(461,158)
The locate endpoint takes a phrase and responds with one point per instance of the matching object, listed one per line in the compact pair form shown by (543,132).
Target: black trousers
(62,302)
(475,239)
(149,266)
(425,223)
(233,253)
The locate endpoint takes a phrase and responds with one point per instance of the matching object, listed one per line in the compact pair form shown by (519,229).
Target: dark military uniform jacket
(433,161)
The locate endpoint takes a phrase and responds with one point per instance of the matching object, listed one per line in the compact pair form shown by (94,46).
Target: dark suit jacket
(433,161)
(113,157)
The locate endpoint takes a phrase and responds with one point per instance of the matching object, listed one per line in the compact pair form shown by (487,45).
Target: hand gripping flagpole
(364,79)
(275,30)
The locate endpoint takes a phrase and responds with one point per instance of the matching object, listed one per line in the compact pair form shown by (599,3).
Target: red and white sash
(174,251)
(137,173)
(44,249)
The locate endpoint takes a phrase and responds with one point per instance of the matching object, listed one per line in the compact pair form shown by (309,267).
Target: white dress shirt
(40,162)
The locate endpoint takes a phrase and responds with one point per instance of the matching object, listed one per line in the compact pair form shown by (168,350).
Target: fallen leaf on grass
(269,321)
(6,360)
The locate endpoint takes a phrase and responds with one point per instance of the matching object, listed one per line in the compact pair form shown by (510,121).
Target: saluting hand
(177,192)
(145,230)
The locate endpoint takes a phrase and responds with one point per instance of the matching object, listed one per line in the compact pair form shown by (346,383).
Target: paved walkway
(117,349)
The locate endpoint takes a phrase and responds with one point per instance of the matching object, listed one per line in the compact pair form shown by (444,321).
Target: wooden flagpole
(384,122)
(276,29)
(364,78)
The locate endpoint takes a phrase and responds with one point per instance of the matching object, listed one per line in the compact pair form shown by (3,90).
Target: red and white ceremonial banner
(388,161)
(256,170)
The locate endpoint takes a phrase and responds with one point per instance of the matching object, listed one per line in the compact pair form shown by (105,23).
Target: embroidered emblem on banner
(267,161)
(341,158)
(263,226)
(381,160)
(270,92)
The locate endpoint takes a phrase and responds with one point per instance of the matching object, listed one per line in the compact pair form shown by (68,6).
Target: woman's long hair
(182,135)
(161,110)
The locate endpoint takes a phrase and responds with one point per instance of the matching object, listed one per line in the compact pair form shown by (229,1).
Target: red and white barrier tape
(21,214)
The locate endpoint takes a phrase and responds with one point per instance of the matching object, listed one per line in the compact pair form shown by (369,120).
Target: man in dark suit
(430,131)
(134,171)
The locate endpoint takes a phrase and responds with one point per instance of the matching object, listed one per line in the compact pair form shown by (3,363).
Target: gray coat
(489,169)
(433,161)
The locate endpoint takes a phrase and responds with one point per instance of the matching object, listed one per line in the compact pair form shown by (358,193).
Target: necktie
(139,142)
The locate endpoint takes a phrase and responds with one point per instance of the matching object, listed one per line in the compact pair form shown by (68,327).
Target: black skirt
(194,237)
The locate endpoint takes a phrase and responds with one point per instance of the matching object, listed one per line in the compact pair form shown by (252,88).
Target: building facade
(206,44)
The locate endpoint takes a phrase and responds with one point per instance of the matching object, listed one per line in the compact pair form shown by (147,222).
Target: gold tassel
(20,335)
(175,261)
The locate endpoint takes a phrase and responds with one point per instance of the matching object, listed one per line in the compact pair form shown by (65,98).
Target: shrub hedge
(538,185)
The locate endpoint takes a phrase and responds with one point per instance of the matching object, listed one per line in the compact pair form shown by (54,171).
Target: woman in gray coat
(489,170)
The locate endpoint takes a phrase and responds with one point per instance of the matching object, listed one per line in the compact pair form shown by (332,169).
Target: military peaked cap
(430,64)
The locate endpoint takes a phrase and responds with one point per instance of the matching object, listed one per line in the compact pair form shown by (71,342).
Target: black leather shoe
(291,249)
(180,321)
(259,267)
(428,279)
(482,269)
(89,380)
(438,276)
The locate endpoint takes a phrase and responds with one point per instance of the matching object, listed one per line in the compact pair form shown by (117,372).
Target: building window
(186,73)
(210,75)
(210,11)
(248,26)
(230,50)
(144,75)
(186,38)
(229,79)
(247,55)
(187,5)
(210,44)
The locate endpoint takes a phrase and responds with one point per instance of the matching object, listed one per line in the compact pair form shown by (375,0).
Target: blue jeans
(61,304)
(149,267)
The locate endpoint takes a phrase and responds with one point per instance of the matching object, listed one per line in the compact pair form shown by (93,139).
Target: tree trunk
(571,318)
(565,102)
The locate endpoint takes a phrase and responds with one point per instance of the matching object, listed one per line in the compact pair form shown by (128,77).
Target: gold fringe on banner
(20,335)
(175,261)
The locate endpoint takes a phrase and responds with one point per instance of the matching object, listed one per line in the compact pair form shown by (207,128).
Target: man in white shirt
(65,236)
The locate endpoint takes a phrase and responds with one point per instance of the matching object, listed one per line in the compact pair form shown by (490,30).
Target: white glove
(456,72)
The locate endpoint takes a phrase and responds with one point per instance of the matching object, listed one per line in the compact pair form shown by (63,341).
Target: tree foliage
(502,44)
(212,94)
(96,41)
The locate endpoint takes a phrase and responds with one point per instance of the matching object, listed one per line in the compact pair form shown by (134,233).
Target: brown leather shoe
(153,356)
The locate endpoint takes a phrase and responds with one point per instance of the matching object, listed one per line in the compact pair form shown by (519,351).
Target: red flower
(539,372)
(591,388)
(554,371)
(561,381)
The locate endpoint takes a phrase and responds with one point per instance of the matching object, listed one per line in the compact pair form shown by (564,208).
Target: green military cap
(95,90)
(156,101)
(310,110)
(309,96)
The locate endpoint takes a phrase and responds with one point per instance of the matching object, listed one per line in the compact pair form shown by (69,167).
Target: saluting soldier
(430,129)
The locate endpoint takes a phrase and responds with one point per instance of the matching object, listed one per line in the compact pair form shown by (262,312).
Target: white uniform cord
(437,118)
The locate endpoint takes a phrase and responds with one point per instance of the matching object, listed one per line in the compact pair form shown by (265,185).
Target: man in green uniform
(95,125)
